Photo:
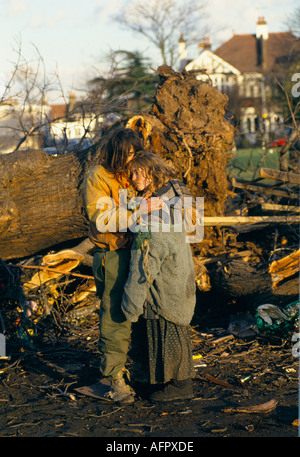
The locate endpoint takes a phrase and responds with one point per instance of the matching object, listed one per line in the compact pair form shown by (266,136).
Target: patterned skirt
(161,351)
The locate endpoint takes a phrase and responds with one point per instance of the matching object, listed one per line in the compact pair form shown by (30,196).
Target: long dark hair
(116,148)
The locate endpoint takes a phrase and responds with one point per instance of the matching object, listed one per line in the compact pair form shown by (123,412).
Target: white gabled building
(68,122)
(221,73)
(240,68)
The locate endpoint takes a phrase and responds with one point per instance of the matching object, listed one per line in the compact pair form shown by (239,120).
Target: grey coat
(171,291)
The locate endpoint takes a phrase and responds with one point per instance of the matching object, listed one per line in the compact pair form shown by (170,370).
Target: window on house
(219,83)
(248,125)
(78,131)
(247,90)
(224,85)
(256,89)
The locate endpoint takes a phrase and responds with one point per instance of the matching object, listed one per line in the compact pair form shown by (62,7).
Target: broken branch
(285,176)
(38,267)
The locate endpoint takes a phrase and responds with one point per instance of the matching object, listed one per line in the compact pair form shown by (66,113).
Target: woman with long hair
(111,254)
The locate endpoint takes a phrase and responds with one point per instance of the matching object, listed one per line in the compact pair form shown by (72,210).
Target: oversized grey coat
(171,290)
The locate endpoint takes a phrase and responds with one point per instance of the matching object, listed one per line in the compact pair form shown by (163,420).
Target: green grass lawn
(246,163)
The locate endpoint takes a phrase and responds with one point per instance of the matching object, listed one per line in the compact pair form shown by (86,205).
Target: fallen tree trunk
(252,284)
(41,203)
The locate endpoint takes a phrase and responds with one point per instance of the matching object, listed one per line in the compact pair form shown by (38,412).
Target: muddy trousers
(110,269)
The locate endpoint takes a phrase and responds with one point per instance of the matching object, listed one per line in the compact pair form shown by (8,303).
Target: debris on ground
(247,311)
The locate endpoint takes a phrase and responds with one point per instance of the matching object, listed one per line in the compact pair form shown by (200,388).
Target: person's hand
(151,204)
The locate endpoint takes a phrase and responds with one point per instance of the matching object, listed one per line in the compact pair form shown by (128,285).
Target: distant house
(16,121)
(70,122)
(241,68)
(57,127)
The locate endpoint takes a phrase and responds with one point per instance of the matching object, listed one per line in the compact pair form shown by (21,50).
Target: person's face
(138,178)
(131,154)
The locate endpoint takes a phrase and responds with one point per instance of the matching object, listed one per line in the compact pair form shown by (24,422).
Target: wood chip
(263,408)
(217,381)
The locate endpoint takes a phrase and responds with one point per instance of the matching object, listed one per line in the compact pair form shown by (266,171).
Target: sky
(73,36)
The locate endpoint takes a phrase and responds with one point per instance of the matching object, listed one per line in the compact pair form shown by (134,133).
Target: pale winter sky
(73,36)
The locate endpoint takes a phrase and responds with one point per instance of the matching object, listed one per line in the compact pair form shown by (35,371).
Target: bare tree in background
(163,21)
(26,120)
(126,88)
(294,22)
(23,112)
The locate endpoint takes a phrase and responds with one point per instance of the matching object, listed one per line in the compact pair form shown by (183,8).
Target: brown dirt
(34,388)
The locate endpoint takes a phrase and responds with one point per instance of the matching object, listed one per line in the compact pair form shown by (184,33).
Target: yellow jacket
(101,194)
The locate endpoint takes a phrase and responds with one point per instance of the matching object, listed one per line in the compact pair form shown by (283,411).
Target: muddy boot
(174,390)
(120,391)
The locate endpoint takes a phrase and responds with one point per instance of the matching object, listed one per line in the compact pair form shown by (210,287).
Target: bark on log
(285,176)
(251,283)
(284,268)
(279,208)
(264,189)
(41,203)
(283,160)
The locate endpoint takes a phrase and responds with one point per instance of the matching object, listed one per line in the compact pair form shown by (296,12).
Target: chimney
(182,48)
(262,28)
(72,102)
(261,36)
(182,52)
(205,44)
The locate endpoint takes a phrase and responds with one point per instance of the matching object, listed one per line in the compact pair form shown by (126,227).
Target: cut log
(45,274)
(227,221)
(236,278)
(284,268)
(250,282)
(283,161)
(277,175)
(279,208)
(264,189)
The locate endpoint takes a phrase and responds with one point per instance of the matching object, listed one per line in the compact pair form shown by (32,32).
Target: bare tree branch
(162,22)
(294,22)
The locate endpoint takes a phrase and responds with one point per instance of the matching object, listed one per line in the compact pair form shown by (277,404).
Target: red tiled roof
(241,51)
(58,111)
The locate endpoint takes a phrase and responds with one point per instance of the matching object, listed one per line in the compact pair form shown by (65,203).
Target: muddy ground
(37,397)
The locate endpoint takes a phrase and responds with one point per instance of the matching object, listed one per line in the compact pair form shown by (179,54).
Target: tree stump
(187,127)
